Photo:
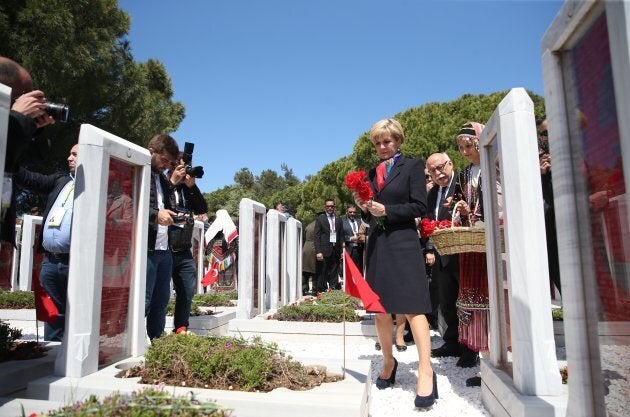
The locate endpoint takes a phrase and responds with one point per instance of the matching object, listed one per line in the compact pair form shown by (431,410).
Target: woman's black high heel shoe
(429,400)
(386,383)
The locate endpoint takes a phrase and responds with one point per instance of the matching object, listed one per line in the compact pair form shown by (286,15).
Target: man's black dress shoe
(468,359)
(446,350)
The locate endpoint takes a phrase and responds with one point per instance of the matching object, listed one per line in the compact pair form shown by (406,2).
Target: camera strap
(179,195)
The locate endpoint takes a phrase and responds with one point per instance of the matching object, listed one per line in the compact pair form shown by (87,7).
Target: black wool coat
(395,262)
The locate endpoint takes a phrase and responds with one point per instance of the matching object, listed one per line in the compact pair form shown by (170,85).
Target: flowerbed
(224,363)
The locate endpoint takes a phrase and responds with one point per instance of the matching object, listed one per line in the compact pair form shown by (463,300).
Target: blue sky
(297,81)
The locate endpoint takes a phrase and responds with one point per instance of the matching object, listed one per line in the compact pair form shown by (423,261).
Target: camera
(195,172)
(543,147)
(59,112)
(182,216)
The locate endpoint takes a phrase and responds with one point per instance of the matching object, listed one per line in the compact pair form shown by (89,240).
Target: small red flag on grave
(211,277)
(357,287)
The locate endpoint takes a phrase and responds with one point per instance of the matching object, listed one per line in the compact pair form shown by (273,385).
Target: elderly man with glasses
(445,268)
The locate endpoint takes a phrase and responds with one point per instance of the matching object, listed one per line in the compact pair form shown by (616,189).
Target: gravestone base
(502,399)
(349,397)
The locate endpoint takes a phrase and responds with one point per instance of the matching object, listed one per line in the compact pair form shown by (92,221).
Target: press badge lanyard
(57,214)
(333,235)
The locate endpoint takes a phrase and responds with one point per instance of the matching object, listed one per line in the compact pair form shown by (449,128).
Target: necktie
(353,224)
(331,220)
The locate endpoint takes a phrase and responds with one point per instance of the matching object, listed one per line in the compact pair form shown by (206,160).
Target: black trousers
(447,278)
(328,273)
(356,253)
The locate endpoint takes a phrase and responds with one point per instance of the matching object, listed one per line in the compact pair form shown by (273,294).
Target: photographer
(26,118)
(189,201)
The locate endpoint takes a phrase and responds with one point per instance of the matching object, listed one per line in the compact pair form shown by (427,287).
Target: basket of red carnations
(449,239)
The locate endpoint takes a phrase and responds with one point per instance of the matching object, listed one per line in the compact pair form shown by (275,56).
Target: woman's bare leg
(384,324)
(400,329)
(420,329)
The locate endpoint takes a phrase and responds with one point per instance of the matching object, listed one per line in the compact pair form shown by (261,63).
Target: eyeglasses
(329,206)
(439,168)
(165,160)
(544,133)
(352,212)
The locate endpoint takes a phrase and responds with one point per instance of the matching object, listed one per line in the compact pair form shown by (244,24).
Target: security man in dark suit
(351,236)
(328,246)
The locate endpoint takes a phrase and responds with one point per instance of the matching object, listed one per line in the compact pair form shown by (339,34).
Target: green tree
(428,128)
(78,55)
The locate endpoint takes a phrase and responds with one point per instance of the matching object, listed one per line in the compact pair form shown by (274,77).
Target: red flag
(211,277)
(357,287)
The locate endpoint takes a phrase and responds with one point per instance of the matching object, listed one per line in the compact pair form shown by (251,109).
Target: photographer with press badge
(189,201)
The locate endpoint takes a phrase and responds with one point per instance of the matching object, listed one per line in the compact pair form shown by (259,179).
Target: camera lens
(59,112)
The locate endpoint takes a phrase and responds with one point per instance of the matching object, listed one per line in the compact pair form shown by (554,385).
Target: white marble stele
(510,140)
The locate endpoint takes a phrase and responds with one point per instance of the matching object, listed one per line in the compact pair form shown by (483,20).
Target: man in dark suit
(445,268)
(328,244)
(351,236)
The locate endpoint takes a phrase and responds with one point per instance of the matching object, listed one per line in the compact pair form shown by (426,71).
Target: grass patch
(557,314)
(16,300)
(149,402)
(224,363)
(211,299)
(330,307)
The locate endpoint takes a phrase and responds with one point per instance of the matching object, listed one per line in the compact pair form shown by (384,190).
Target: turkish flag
(211,277)
(357,287)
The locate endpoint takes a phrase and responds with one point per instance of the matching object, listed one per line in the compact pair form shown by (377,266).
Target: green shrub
(194,308)
(8,336)
(338,298)
(146,403)
(17,299)
(216,299)
(222,363)
(316,313)
(557,314)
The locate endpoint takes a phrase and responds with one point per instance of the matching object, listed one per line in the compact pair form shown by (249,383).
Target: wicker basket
(460,239)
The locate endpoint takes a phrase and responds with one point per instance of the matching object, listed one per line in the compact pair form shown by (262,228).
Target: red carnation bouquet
(358,181)
(427,226)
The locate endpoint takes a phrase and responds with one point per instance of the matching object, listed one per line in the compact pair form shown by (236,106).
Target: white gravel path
(455,398)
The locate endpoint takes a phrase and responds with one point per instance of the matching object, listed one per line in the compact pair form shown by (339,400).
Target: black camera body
(59,112)
(182,216)
(195,172)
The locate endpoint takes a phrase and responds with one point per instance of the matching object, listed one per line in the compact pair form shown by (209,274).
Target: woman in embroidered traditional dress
(472,300)
(395,265)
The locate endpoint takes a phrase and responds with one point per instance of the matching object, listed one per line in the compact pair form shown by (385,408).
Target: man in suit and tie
(445,268)
(328,244)
(351,236)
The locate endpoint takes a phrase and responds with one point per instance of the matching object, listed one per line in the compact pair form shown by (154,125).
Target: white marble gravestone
(28,250)
(294,260)
(276,281)
(251,258)
(586,74)
(198,249)
(108,276)
(510,140)
(5,108)
(15,266)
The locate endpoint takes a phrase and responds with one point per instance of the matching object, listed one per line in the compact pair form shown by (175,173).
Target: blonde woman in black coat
(395,264)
